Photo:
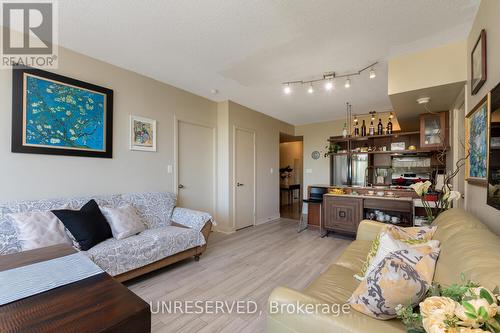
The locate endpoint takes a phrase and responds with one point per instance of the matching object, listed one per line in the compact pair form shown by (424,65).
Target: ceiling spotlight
(355,120)
(310,89)
(329,85)
(347,83)
(372,113)
(391,115)
(286,89)
(372,73)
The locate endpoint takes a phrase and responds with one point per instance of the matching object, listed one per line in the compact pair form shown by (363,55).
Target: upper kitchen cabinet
(434,130)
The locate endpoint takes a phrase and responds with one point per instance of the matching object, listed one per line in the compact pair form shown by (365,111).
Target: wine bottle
(389,127)
(372,129)
(380,127)
(344,131)
(363,129)
(356,130)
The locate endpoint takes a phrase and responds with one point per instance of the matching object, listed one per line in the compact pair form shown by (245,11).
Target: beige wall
(486,18)
(434,67)
(267,130)
(29,176)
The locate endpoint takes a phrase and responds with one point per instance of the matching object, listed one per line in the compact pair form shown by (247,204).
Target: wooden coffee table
(95,304)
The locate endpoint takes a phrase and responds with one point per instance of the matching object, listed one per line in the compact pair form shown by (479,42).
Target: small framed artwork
(476,143)
(478,63)
(57,115)
(142,133)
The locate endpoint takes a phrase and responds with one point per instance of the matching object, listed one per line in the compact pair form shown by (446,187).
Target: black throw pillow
(87,225)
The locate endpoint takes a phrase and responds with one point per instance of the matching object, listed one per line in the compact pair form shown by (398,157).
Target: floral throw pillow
(412,235)
(402,277)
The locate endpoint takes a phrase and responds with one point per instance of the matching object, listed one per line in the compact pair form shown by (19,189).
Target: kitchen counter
(360,196)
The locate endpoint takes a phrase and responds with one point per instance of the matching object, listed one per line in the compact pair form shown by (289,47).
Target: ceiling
(245,49)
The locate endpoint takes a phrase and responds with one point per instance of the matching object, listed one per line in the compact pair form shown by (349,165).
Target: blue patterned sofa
(172,233)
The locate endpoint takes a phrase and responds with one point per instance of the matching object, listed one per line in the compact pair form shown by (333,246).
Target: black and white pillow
(87,226)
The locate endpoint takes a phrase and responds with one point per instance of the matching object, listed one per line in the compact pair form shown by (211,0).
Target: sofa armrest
(368,230)
(191,218)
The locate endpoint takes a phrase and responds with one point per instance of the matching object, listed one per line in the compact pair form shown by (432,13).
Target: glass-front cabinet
(434,130)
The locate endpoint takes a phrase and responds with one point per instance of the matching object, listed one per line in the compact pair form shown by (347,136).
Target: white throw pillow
(39,229)
(389,244)
(124,221)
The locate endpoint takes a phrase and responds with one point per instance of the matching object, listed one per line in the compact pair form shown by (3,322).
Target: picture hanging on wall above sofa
(58,115)
(494,152)
(476,143)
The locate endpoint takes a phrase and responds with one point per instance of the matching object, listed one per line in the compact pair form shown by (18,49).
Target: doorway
(196,166)
(291,176)
(243,178)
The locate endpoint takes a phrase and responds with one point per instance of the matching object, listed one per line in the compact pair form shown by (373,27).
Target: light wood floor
(246,265)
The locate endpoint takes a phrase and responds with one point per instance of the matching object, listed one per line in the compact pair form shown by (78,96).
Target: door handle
(180,186)
(239,184)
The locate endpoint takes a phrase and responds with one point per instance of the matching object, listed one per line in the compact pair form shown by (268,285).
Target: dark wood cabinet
(434,130)
(342,214)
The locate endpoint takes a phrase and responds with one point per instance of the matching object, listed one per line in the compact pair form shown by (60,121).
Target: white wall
(486,18)
(30,176)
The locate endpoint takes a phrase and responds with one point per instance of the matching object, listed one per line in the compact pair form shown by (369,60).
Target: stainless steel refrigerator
(349,170)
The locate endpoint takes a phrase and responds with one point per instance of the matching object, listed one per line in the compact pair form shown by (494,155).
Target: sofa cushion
(355,255)
(155,209)
(402,277)
(124,221)
(87,225)
(335,285)
(119,256)
(39,229)
(467,246)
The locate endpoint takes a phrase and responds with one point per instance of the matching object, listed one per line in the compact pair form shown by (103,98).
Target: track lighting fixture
(347,83)
(328,79)
(286,89)
(310,90)
(372,73)
(329,85)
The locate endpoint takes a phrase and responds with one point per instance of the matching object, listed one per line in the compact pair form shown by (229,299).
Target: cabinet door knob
(342,214)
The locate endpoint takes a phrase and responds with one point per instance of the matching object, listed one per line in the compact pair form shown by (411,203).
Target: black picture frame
(493,192)
(478,78)
(18,145)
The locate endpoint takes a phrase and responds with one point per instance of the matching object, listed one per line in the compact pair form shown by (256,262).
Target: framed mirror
(494,150)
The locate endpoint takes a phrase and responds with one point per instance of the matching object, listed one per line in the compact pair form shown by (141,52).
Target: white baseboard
(267,219)
(223,231)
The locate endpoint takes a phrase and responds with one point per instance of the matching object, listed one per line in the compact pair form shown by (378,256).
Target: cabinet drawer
(342,214)
(392,205)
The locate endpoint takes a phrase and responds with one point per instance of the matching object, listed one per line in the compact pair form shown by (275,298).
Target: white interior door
(244,178)
(195,167)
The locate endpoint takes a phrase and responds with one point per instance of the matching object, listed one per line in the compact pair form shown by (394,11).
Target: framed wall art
(142,133)
(478,63)
(476,142)
(57,115)
(493,198)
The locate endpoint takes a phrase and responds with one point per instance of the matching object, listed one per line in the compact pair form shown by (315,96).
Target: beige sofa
(467,246)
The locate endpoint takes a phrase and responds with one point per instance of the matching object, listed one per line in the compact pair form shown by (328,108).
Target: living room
(264,166)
